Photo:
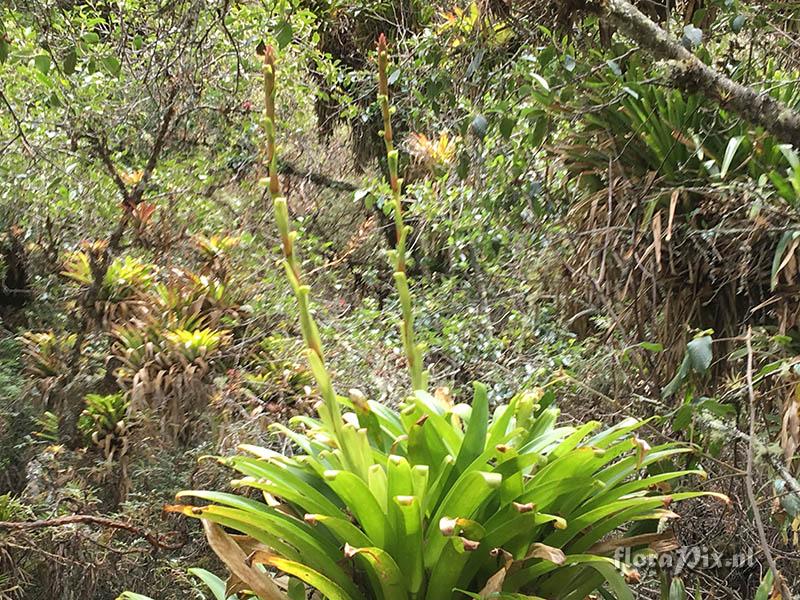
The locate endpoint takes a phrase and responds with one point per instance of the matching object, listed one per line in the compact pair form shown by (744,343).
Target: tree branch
(101,148)
(17,123)
(158,146)
(691,74)
(151,538)
(288,168)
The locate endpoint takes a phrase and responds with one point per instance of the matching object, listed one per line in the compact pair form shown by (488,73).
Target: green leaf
(677,591)
(42,63)
(463,499)
(283,34)
(410,543)
(716,408)
(341,528)
(700,354)
(787,238)
(384,569)
(764,591)
(730,153)
(507,127)
(112,65)
(212,582)
(652,347)
(359,499)
(313,578)
(296,590)
(677,381)
(70,61)
(475,437)
(614,579)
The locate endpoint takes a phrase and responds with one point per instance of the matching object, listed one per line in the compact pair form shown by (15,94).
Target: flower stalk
(329,410)
(413,350)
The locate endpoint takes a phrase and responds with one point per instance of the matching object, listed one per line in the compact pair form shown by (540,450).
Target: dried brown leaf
(231,553)
(545,552)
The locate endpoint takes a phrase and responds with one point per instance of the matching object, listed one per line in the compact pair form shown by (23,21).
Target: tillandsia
(435,499)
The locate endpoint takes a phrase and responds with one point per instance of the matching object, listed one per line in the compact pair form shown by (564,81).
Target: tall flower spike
(413,351)
(269,109)
(329,410)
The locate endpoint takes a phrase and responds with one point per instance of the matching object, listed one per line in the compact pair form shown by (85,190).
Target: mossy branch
(691,74)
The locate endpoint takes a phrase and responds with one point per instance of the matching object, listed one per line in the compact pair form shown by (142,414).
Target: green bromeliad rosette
(434,500)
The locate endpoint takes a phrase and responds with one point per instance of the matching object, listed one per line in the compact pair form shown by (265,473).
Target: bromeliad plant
(103,422)
(120,293)
(433,500)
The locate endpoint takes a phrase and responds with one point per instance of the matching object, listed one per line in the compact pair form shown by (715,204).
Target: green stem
(329,411)
(413,351)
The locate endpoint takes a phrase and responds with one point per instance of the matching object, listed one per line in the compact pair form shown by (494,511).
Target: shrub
(434,497)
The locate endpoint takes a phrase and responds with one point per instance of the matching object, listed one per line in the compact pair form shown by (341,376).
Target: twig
(152,539)
(17,123)
(751,496)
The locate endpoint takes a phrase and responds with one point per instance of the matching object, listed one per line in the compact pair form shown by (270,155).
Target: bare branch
(101,149)
(166,123)
(151,538)
(17,123)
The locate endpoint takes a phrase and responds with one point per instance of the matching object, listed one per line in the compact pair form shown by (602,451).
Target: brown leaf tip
(470,545)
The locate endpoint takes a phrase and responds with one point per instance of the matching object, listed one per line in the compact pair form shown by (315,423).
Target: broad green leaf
(211,581)
(313,578)
(470,491)
(384,568)
(283,34)
(365,507)
(409,553)
(42,63)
